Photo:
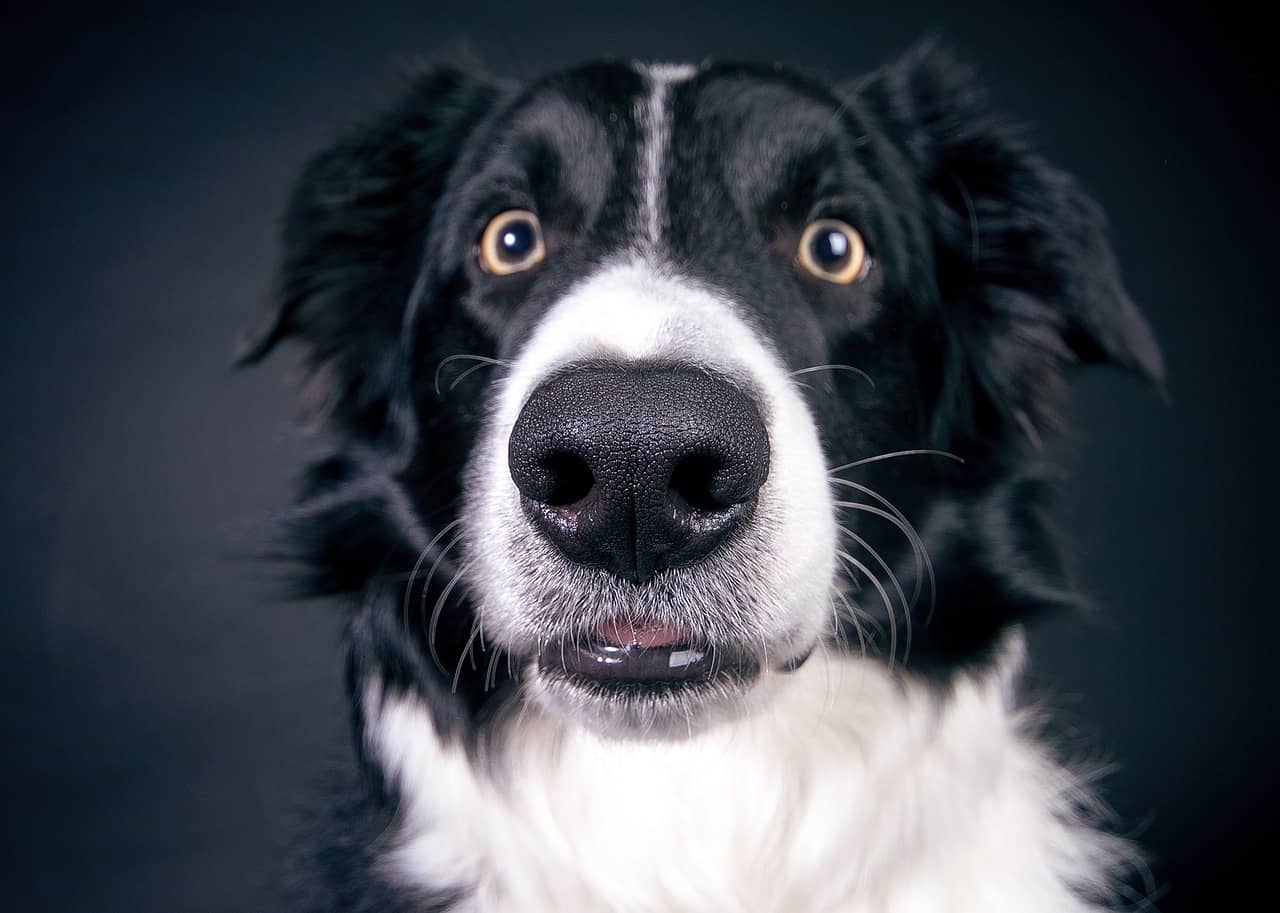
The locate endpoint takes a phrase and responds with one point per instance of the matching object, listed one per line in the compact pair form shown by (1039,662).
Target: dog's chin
(652,685)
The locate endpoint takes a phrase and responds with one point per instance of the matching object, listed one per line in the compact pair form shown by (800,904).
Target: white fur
(638,310)
(851,791)
(655,124)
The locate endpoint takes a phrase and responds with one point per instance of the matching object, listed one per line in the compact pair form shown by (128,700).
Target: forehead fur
(761,124)
(691,166)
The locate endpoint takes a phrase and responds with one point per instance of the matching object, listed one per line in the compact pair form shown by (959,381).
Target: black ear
(1022,255)
(353,240)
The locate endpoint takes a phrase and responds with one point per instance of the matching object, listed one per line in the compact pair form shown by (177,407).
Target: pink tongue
(626,634)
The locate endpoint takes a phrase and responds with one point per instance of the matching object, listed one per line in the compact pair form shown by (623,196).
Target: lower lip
(613,663)
(645,656)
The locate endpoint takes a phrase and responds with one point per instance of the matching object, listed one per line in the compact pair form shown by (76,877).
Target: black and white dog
(682,481)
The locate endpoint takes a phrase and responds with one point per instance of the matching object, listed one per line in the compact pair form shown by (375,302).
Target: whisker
(899,519)
(893,579)
(479,622)
(417,566)
(861,373)
(466,651)
(853,618)
(837,629)
(463,376)
(491,674)
(435,619)
(435,566)
(903,527)
(893,456)
(888,603)
(482,359)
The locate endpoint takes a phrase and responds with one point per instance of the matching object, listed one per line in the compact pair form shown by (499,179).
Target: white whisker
(853,618)
(435,566)
(435,619)
(893,456)
(422,557)
(884,594)
(850,368)
(893,579)
(466,651)
(482,359)
(898,519)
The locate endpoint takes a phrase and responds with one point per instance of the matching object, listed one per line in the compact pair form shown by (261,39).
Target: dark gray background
(163,710)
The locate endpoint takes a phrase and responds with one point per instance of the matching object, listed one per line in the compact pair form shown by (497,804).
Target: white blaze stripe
(653,118)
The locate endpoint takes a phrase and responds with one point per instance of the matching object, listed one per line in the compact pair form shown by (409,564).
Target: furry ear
(353,238)
(1021,252)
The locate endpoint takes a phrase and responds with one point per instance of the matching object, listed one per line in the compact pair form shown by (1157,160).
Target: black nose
(638,468)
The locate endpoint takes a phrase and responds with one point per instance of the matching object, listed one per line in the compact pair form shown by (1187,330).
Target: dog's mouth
(652,679)
(630,656)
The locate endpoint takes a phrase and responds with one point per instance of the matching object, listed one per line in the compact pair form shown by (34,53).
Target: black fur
(992,277)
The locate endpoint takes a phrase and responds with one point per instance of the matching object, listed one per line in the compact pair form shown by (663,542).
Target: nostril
(571,478)
(693,482)
(638,468)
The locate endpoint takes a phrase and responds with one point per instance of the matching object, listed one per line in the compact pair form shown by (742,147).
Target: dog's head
(647,381)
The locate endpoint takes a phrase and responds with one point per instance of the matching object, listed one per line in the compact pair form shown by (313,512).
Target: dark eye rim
(492,258)
(859,260)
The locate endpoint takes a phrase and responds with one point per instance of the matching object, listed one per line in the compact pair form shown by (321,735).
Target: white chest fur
(849,792)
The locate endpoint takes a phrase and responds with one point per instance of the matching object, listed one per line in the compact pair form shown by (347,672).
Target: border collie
(682,480)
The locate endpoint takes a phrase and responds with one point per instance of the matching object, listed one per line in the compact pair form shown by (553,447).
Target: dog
(681,472)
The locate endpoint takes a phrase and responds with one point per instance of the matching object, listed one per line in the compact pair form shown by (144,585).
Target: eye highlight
(834,251)
(511,243)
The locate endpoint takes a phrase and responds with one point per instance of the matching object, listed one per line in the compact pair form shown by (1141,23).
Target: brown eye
(833,250)
(511,243)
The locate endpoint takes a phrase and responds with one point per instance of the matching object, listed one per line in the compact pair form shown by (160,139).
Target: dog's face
(692,292)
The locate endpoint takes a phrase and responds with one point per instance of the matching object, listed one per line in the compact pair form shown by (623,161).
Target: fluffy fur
(880,762)
(844,792)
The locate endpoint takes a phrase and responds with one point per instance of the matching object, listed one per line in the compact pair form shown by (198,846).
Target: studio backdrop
(167,707)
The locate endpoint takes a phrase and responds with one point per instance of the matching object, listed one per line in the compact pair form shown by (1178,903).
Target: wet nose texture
(638,468)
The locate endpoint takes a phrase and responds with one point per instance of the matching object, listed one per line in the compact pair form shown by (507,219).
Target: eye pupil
(517,239)
(830,247)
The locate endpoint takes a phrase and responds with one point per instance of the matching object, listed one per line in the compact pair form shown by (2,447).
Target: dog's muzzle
(638,468)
